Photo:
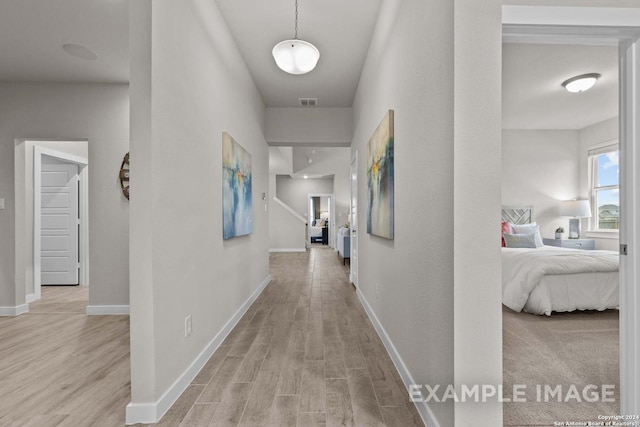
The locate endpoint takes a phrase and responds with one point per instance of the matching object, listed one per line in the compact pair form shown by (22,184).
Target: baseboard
(423,408)
(32,298)
(103,310)
(275,250)
(14,311)
(147,413)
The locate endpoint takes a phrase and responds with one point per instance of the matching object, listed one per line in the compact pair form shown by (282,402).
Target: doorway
(74,157)
(592,26)
(353,220)
(321,217)
(59,222)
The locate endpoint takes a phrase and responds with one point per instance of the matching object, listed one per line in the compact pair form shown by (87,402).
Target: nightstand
(587,244)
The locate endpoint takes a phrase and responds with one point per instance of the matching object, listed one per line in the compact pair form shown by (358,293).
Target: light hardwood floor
(59,367)
(305,354)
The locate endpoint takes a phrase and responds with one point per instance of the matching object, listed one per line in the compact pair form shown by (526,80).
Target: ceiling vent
(308,102)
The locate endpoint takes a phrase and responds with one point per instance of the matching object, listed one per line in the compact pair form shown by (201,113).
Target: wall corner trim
(14,311)
(147,413)
(423,408)
(102,310)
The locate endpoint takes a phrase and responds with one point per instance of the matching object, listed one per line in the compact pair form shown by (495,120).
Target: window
(605,187)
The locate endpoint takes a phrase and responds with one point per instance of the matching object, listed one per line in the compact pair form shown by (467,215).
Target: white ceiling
(532,95)
(32,33)
(341,30)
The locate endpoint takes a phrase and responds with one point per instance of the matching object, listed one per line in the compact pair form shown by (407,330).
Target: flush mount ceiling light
(80,51)
(581,83)
(296,56)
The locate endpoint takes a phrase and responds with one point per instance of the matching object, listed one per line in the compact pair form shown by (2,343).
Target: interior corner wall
(189,87)
(540,168)
(408,281)
(334,161)
(286,232)
(295,192)
(98,113)
(437,65)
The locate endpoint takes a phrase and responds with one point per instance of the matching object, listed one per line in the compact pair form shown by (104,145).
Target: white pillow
(532,228)
(520,240)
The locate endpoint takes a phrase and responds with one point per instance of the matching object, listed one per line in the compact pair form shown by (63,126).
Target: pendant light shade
(296,56)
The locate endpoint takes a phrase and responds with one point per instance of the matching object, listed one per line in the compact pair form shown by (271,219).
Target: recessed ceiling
(532,92)
(33,33)
(340,29)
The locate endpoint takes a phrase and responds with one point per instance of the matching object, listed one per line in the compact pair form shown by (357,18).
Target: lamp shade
(575,208)
(295,56)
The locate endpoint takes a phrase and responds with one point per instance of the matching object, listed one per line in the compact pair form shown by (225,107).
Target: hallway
(304,354)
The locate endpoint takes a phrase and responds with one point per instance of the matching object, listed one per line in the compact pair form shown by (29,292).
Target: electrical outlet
(187,326)
(377,290)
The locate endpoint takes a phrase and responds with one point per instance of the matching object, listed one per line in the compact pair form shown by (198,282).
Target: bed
(544,279)
(315,231)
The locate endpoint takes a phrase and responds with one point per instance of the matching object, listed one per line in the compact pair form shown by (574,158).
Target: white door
(353,262)
(59,223)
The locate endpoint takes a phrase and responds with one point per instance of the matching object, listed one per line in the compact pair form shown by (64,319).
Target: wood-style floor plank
(60,367)
(304,354)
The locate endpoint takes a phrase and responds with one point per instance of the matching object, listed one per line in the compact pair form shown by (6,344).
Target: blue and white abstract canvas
(236,189)
(380,179)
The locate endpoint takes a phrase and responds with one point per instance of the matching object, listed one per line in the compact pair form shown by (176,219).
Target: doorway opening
(625,38)
(30,157)
(321,217)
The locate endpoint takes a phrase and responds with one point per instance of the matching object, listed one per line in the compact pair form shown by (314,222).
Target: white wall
(540,169)
(597,134)
(309,126)
(334,161)
(447,143)
(286,231)
(295,192)
(99,114)
(188,85)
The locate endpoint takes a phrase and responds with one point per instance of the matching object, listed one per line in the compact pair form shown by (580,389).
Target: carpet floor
(561,362)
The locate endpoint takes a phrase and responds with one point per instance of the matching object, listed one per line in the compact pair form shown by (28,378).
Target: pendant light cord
(296,34)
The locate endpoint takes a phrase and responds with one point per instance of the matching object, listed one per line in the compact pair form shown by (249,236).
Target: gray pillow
(520,240)
(529,229)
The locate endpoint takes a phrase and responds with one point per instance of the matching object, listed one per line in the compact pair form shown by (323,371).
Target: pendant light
(296,56)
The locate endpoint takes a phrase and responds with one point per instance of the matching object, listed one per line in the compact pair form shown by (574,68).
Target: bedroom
(549,138)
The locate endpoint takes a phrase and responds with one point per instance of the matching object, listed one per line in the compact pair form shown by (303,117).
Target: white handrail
(290,210)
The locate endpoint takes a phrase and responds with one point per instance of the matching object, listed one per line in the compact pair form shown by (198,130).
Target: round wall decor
(124,176)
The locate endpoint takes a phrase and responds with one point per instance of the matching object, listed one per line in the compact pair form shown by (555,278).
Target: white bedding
(315,231)
(549,279)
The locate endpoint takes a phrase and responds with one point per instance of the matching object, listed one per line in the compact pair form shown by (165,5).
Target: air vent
(308,102)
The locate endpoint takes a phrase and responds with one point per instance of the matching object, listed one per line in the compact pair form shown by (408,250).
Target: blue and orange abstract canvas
(380,179)
(236,189)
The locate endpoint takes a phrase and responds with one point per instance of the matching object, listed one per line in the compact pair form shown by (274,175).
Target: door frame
(332,214)
(353,226)
(83,194)
(584,25)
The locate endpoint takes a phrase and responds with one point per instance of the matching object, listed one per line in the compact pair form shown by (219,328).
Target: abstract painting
(236,189)
(380,179)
